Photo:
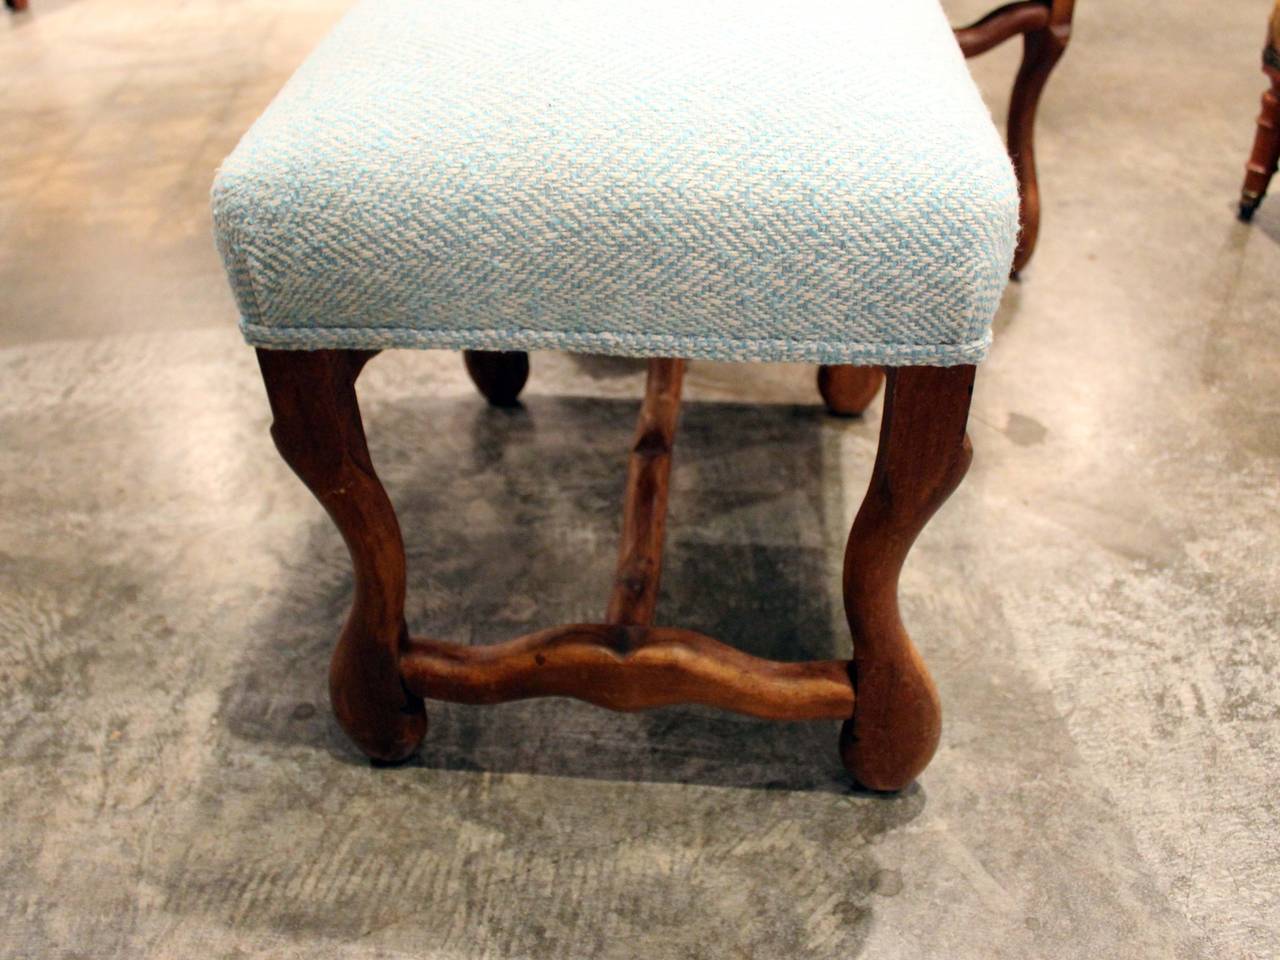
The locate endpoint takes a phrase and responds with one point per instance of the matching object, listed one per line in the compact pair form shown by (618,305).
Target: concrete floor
(1099,601)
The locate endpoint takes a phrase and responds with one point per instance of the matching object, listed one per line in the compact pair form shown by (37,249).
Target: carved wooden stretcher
(380,676)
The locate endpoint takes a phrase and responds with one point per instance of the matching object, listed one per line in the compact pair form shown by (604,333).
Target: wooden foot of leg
(318,431)
(498,375)
(1041,50)
(923,455)
(847,390)
(1266,150)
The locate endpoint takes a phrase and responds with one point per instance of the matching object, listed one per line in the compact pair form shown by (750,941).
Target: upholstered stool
(810,182)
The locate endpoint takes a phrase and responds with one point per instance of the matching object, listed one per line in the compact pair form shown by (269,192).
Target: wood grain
(644,516)
(317,429)
(628,668)
(922,456)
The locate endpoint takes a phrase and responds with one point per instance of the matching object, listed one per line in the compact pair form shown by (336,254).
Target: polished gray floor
(1100,600)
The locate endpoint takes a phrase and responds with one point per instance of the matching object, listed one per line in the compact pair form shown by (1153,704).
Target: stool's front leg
(318,431)
(923,455)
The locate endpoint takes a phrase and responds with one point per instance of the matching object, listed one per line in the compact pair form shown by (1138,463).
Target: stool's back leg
(499,375)
(317,429)
(923,455)
(848,390)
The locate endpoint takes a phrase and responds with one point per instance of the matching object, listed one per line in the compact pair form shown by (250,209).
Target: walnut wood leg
(644,513)
(318,431)
(499,375)
(1001,24)
(848,390)
(17,6)
(1040,51)
(1266,150)
(923,455)
(628,668)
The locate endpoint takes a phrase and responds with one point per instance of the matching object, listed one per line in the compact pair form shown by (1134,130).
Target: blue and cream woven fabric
(732,179)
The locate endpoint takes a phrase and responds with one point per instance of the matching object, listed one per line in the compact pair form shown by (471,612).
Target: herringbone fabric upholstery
(699,178)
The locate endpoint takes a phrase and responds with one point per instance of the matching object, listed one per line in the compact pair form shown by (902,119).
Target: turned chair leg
(1266,150)
(499,375)
(1041,50)
(923,454)
(317,429)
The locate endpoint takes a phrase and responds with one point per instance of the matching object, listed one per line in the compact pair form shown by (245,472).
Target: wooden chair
(1045,28)
(652,179)
(1266,143)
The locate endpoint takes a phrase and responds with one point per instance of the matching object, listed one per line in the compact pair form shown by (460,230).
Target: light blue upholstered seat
(700,178)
